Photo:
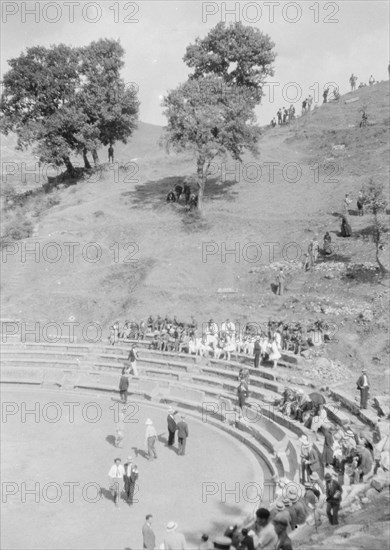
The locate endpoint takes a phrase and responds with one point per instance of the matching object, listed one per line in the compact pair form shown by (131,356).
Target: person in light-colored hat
(293,516)
(281,511)
(174,540)
(278,506)
(150,439)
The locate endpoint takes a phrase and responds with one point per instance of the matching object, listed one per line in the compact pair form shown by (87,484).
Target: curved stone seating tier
(184,397)
(33,346)
(347,401)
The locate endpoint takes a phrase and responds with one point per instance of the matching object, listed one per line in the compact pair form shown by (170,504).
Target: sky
(316,42)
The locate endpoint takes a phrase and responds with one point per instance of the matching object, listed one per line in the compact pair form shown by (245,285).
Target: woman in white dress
(275,354)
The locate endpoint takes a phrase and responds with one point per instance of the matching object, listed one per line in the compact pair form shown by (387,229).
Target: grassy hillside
(242,206)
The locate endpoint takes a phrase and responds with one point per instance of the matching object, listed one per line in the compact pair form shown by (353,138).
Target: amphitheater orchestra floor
(55,459)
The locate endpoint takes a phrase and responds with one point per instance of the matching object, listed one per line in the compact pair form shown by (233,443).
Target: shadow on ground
(153,193)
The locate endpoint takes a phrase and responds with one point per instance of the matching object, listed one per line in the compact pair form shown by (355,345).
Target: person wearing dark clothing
(345,229)
(187,193)
(279,113)
(327,453)
(363,386)
(284,541)
(123,387)
(325,95)
(111,154)
(182,435)
(257,353)
(171,197)
(333,499)
(327,244)
(172,426)
(178,191)
(246,541)
(242,394)
(130,477)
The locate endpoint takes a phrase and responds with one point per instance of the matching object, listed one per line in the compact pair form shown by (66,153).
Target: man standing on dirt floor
(172,426)
(149,538)
(116,477)
(151,439)
(363,386)
(123,387)
(130,477)
(182,434)
(280,281)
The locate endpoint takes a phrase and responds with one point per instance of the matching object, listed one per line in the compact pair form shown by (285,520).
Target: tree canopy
(67,100)
(212,113)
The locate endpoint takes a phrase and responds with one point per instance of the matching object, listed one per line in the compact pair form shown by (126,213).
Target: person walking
(148,536)
(130,477)
(123,387)
(174,540)
(151,439)
(333,498)
(280,278)
(172,426)
(116,476)
(133,356)
(182,435)
(363,386)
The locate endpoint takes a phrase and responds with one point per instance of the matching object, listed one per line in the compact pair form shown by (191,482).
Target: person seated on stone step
(171,197)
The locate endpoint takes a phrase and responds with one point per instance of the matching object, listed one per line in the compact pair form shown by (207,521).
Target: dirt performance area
(55,463)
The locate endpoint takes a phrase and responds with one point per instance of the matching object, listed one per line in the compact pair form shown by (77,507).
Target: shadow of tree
(153,193)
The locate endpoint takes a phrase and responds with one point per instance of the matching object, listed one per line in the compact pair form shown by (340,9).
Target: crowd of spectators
(263,341)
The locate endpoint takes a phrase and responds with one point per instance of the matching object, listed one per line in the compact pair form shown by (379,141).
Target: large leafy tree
(212,114)
(68,101)
(111,107)
(241,55)
(208,124)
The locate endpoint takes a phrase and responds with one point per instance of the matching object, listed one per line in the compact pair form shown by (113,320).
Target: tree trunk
(86,161)
(95,157)
(381,266)
(201,180)
(69,167)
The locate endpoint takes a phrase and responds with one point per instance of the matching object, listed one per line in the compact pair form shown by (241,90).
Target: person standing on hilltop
(353,80)
(279,113)
(325,95)
(280,278)
(371,80)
